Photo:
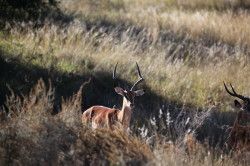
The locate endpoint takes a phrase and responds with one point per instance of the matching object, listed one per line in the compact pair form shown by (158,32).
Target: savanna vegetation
(57,57)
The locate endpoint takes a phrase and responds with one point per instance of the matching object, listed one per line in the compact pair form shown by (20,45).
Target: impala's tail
(87,117)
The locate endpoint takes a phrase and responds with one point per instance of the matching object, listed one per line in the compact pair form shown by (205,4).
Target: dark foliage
(16,11)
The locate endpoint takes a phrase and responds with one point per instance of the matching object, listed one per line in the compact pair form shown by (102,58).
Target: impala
(100,116)
(244,113)
(239,137)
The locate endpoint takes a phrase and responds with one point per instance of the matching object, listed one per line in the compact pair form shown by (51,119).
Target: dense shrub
(26,10)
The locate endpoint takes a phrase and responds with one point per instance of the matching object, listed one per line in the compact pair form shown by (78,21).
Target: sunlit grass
(185,50)
(228,26)
(197,82)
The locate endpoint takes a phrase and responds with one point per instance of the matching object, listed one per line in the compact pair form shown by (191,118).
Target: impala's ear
(237,104)
(119,91)
(139,92)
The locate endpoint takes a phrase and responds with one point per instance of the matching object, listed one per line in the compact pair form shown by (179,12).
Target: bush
(25,10)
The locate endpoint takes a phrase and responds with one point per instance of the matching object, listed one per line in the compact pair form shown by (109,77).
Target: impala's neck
(124,115)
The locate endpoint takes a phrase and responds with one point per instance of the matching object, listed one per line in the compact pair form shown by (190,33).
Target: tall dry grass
(185,51)
(177,70)
(212,25)
(30,134)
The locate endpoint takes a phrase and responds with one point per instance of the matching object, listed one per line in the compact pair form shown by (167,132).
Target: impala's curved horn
(234,93)
(140,77)
(114,71)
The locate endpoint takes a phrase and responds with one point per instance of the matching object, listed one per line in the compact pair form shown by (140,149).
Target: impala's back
(99,116)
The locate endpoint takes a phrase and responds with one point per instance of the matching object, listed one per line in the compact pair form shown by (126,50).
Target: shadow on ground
(21,78)
(100,91)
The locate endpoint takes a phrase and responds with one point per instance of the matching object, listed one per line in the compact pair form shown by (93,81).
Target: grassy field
(185,49)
